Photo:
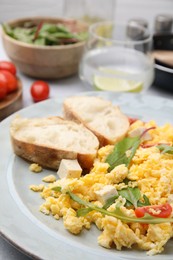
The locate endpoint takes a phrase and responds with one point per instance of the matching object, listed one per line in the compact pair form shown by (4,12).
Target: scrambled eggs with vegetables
(129,198)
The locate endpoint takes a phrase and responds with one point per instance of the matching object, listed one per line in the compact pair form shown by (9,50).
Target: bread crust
(49,157)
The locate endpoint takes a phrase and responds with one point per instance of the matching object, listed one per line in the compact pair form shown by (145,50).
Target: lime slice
(117,84)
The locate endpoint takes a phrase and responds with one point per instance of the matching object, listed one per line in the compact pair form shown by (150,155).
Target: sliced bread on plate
(100,116)
(47,141)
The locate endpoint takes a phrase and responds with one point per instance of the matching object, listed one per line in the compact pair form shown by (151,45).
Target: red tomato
(9,79)
(132,120)
(3,90)
(9,66)
(39,90)
(161,211)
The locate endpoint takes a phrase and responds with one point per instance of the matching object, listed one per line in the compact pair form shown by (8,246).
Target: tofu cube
(105,193)
(69,169)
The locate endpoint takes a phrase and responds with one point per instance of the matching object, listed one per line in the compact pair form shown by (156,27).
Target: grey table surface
(59,89)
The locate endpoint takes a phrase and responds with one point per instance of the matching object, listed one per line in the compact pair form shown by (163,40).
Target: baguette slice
(47,141)
(106,121)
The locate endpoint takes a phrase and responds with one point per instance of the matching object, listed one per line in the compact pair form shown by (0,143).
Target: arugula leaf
(57,188)
(126,181)
(165,148)
(119,156)
(147,219)
(133,150)
(110,201)
(82,212)
(146,202)
(132,195)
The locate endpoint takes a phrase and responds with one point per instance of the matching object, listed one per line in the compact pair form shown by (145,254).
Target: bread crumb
(34,167)
(50,178)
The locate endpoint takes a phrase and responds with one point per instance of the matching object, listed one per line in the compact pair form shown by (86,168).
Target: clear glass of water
(118,58)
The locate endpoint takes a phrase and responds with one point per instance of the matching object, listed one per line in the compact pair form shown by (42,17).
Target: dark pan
(163,77)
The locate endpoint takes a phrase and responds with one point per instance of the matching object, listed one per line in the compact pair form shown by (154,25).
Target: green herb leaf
(84,211)
(119,155)
(57,188)
(145,202)
(110,201)
(147,219)
(132,195)
(78,199)
(133,150)
(165,148)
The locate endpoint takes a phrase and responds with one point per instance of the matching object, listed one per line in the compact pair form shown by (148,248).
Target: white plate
(42,236)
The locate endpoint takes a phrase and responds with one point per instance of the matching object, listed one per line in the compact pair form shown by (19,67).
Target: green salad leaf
(44,34)
(165,148)
(132,195)
(83,211)
(110,201)
(133,198)
(145,202)
(125,149)
(119,154)
(117,213)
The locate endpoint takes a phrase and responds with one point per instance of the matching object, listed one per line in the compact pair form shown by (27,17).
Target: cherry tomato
(132,120)
(9,79)
(3,90)
(9,66)
(39,90)
(160,211)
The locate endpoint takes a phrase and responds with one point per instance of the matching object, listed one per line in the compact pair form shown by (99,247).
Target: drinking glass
(118,57)
(89,11)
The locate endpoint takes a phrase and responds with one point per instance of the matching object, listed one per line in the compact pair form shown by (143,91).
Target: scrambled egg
(34,167)
(150,170)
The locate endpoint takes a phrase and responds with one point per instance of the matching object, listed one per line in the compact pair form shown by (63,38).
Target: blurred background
(124,9)
(120,11)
